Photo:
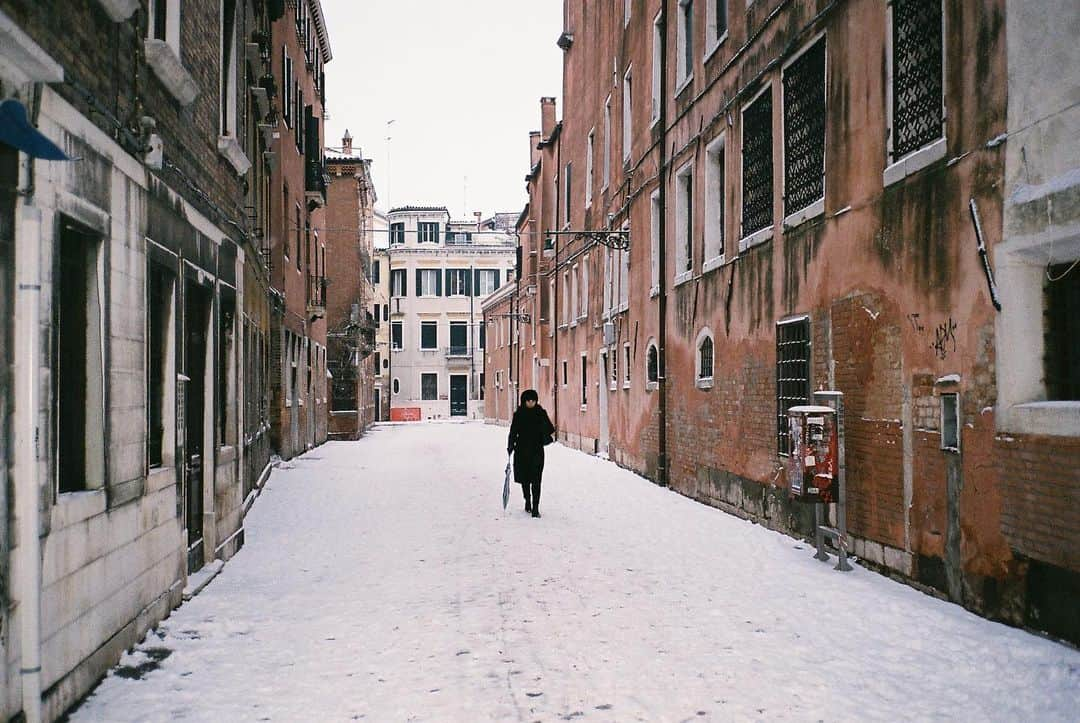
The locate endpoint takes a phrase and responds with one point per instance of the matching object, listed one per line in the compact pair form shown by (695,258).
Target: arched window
(704,360)
(397,385)
(652,365)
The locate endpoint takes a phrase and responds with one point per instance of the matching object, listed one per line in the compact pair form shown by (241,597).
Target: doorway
(603,393)
(196,318)
(459,395)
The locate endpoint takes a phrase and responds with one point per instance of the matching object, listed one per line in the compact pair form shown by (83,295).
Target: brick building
(131,439)
(350,294)
(805,186)
(299,414)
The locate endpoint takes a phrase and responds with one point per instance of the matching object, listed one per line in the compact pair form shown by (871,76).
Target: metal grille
(705,353)
(757,165)
(917,77)
(792,375)
(804,129)
(1062,335)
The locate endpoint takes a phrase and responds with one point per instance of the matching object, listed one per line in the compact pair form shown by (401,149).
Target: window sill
(584,407)
(652,386)
(683,278)
(626,385)
(914,162)
(715,46)
(815,209)
(705,383)
(165,62)
(74,507)
(1059,419)
(712,264)
(684,84)
(758,237)
(230,148)
(653,121)
(654,291)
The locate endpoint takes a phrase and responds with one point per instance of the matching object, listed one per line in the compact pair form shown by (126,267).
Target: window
(626,365)
(428,232)
(1062,332)
(609,280)
(429,335)
(567,196)
(225,374)
(950,422)
(396,386)
(804,132)
(77,383)
(160,372)
(624,275)
(297,228)
(429,387)
(792,374)
(375,316)
(227,87)
(457,282)
(385,312)
(564,373)
(573,294)
(584,380)
(607,142)
(164,22)
(684,223)
(716,24)
(627,115)
(613,382)
(565,299)
(286,87)
(395,336)
(428,282)
(551,308)
(757,169)
(378,364)
(483,337)
(917,89)
(459,338)
(685,43)
(589,168)
(397,234)
(398,282)
(657,62)
(654,242)
(714,204)
(375,272)
(481,386)
(488,281)
(705,359)
(652,367)
(583,298)
(509,275)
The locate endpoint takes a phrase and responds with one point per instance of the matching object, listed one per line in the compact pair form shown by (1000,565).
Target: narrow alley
(382,580)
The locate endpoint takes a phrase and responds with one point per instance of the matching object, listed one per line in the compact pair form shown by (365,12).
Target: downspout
(472,331)
(662,457)
(556,366)
(28,488)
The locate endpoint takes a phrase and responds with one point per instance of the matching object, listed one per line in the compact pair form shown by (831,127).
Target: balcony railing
(452,351)
(316,296)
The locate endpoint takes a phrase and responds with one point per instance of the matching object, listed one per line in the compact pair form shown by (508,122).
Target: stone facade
(753,278)
(145,296)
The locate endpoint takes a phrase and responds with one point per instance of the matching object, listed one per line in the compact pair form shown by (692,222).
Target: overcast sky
(462,81)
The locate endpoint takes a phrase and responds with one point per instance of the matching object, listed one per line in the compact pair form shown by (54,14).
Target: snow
(948,379)
(381,579)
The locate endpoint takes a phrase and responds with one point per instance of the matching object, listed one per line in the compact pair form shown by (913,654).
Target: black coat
(528,432)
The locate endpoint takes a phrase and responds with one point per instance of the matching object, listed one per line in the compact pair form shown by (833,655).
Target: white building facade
(439,273)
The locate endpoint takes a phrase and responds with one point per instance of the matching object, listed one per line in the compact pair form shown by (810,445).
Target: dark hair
(529,394)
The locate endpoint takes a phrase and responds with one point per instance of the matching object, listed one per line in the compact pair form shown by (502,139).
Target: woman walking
(530,430)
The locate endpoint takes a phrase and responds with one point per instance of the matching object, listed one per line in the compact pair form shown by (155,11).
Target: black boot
(528,507)
(536,512)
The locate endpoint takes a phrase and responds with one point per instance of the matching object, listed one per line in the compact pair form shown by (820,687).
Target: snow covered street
(382,580)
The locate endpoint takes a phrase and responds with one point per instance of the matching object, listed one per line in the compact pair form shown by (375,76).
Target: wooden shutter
(419,286)
(439,284)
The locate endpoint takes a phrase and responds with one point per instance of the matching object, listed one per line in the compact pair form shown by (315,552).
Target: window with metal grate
(918,81)
(804,129)
(757,164)
(792,374)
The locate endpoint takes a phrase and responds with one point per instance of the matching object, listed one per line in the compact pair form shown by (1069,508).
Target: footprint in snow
(534,695)
(605,706)
(461,652)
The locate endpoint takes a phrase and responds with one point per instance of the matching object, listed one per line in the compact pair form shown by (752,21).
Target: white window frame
(657,42)
(713,39)
(684,267)
(565,317)
(591,142)
(454,275)
(421,379)
(817,208)
(607,143)
(654,245)
(172,22)
(628,113)
(429,348)
(684,75)
(928,154)
(612,368)
(715,203)
(703,382)
(573,315)
(650,385)
(764,234)
(424,275)
(552,321)
(626,365)
(609,281)
(583,298)
(957,421)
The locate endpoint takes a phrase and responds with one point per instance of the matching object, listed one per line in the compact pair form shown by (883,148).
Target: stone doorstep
(199,580)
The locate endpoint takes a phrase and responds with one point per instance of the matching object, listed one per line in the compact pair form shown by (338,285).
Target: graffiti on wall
(944,335)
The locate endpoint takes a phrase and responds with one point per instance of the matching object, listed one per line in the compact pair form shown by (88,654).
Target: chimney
(346,143)
(534,152)
(478,215)
(547,117)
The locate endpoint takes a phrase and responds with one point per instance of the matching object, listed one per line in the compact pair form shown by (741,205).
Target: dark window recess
(459,338)
(1062,333)
(376,316)
(397,233)
(483,335)
(398,282)
(757,165)
(160,298)
(584,381)
(721,18)
(792,375)
(9,174)
(428,232)
(374,272)
(705,359)
(481,386)
(653,365)
(396,386)
(564,373)
(385,312)
(917,78)
(395,335)
(950,422)
(160,19)
(76,354)
(429,386)
(804,129)
(688,200)
(224,365)
(429,334)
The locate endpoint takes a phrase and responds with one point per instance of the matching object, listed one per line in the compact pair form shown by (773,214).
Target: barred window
(653,365)
(917,79)
(429,387)
(705,358)
(792,374)
(804,129)
(757,164)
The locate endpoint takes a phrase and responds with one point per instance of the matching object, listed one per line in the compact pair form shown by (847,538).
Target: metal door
(603,394)
(459,395)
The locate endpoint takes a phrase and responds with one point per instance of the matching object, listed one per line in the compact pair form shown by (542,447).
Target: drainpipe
(555,270)
(662,460)
(28,490)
